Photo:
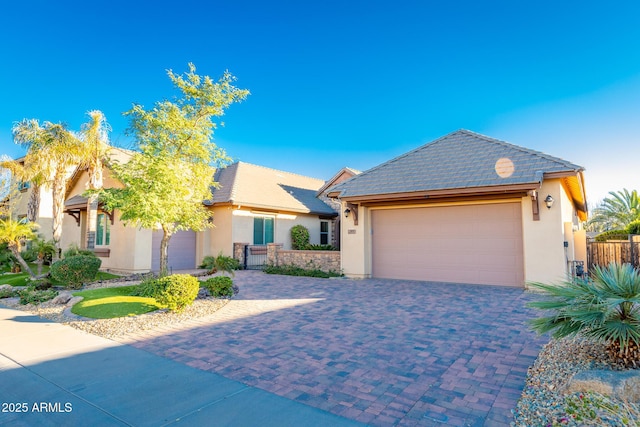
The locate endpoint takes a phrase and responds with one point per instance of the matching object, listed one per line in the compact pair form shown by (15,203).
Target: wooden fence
(620,251)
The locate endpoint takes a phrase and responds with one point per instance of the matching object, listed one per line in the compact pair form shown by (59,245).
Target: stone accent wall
(238,252)
(321,260)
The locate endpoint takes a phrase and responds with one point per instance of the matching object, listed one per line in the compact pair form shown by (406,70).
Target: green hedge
(174,292)
(219,286)
(293,270)
(75,270)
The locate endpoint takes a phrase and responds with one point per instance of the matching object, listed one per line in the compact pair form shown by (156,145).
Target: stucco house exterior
(257,205)
(251,204)
(465,208)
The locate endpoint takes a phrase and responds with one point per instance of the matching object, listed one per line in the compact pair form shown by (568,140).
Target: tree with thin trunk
(166,182)
(94,135)
(51,151)
(14,234)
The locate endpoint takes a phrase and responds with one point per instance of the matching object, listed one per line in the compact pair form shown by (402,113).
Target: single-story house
(257,205)
(465,208)
(251,204)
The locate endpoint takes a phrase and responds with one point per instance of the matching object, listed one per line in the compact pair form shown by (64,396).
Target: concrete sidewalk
(55,375)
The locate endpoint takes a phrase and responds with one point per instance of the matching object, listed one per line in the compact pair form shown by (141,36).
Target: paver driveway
(378,351)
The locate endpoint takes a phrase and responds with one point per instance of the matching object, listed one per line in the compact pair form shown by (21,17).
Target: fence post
(632,250)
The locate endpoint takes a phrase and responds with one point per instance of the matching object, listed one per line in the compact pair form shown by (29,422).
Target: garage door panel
(464,244)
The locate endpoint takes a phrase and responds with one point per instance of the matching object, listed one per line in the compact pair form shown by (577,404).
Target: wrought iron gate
(255,257)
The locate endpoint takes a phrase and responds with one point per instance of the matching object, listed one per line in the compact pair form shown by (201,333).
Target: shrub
(31,295)
(223,263)
(7,293)
(299,237)
(634,227)
(605,308)
(174,292)
(293,270)
(74,250)
(612,235)
(321,248)
(219,286)
(75,270)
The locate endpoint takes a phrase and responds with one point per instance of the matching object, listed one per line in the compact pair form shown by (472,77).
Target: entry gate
(255,257)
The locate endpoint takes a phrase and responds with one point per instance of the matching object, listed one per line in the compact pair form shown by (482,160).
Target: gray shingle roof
(462,159)
(260,187)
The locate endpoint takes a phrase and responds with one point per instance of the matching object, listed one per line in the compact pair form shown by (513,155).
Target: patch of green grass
(14,279)
(107,303)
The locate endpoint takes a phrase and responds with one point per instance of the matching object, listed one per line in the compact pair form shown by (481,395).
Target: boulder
(74,300)
(623,385)
(203,293)
(6,288)
(62,298)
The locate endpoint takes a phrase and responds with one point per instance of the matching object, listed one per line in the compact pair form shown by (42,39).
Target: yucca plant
(605,307)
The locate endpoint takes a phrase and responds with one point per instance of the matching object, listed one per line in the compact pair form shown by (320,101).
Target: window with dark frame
(324,232)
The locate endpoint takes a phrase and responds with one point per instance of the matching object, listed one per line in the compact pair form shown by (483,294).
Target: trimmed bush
(219,286)
(72,272)
(321,248)
(174,292)
(299,237)
(7,293)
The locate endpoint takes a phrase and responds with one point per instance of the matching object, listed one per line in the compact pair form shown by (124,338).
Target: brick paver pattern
(383,352)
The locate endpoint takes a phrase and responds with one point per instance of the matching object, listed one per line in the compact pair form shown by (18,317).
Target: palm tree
(42,249)
(14,233)
(96,143)
(51,151)
(617,212)
(605,308)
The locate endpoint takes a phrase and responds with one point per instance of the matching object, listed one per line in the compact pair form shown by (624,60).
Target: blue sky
(344,83)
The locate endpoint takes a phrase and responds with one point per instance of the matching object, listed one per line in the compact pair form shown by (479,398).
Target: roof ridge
(277,170)
(546,156)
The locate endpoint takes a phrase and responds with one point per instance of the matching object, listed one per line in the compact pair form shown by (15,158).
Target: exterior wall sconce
(549,201)
(353,211)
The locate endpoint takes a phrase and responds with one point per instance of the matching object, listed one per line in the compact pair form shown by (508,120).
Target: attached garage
(182,251)
(480,243)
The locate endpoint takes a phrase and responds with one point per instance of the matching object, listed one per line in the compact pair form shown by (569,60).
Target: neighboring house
(464,208)
(44,213)
(252,204)
(258,205)
(121,248)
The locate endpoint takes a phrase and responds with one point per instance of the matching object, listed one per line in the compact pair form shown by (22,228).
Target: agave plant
(605,307)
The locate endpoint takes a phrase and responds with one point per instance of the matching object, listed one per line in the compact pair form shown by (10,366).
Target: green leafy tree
(605,308)
(166,182)
(14,234)
(617,211)
(52,150)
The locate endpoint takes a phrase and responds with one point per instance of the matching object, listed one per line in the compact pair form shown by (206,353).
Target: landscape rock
(623,385)
(73,300)
(203,293)
(5,288)
(62,298)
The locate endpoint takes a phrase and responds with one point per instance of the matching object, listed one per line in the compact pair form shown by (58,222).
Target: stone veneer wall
(321,260)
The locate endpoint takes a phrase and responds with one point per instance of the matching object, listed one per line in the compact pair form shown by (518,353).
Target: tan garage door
(463,244)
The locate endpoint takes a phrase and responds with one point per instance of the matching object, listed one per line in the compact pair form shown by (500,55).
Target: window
(24,186)
(324,232)
(262,230)
(103,234)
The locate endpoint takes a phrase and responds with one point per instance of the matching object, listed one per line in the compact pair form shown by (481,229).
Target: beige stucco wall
(45,211)
(235,225)
(545,259)
(130,246)
(355,244)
